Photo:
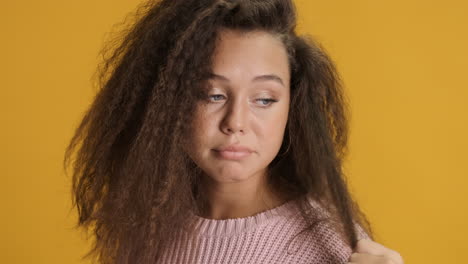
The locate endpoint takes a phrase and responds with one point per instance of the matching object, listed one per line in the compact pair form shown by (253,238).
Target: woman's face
(239,125)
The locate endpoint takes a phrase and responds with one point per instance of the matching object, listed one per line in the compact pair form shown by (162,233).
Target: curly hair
(132,183)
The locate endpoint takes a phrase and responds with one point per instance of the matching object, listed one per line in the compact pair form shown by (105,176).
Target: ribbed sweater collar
(227,227)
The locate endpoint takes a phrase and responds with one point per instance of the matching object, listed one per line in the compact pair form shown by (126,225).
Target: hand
(370,252)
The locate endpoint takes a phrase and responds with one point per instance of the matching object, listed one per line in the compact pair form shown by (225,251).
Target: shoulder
(319,240)
(323,213)
(320,244)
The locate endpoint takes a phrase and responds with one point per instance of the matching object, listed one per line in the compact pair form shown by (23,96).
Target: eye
(216,97)
(266,101)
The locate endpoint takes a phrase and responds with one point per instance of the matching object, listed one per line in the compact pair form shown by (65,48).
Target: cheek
(271,132)
(202,131)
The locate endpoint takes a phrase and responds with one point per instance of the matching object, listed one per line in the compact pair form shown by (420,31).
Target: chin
(226,175)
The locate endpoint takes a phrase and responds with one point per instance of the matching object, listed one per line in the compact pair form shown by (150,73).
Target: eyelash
(268,100)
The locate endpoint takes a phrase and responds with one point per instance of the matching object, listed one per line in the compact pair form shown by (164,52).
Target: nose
(235,118)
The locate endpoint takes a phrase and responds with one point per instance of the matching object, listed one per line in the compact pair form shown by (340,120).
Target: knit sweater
(272,236)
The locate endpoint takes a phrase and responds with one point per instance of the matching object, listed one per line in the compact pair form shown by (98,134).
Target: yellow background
(403,62)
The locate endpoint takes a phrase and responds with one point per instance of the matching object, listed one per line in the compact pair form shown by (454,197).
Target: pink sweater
(272,236)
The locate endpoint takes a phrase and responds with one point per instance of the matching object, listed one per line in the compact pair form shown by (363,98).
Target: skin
(249,70)
(370,252)
(236,110)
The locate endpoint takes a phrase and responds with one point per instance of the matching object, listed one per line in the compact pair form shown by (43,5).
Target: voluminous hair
(132,183)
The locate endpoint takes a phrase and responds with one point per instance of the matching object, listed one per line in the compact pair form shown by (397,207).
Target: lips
(233,152)
(234,148)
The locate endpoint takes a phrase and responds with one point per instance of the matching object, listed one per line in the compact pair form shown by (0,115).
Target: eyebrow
(265,77)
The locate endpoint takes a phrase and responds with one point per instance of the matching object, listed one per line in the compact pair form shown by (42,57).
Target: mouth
(232,155)
(233,152)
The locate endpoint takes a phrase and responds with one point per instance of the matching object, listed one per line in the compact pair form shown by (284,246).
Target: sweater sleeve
(332,246)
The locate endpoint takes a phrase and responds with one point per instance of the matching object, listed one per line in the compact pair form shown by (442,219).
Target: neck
(239,199)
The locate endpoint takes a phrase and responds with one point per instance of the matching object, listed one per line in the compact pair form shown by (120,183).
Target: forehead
(249,54)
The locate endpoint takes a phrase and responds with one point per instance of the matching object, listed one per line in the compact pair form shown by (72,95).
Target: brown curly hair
(132,183)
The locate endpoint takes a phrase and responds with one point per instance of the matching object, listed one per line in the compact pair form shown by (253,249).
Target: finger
(368,258)
(371,247)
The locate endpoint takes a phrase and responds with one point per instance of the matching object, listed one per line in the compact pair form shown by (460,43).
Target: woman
(218,137)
